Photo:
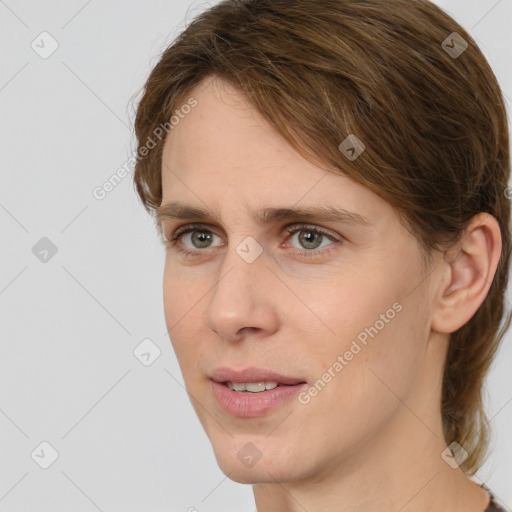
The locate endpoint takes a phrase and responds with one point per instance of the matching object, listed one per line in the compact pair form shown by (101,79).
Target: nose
(243,300)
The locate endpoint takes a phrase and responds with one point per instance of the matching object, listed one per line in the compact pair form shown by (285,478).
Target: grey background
(126,434)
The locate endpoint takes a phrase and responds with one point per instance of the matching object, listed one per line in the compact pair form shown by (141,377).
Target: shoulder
(493,506)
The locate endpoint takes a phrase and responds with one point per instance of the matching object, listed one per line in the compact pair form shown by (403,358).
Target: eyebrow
(181,211)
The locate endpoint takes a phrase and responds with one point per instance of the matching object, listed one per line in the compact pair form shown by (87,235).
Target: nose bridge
(239,299)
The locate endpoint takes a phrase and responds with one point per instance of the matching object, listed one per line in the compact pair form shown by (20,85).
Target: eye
(195,237)
(310,238)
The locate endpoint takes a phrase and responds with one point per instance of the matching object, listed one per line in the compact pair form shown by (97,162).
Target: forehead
(224,155)
(224,131)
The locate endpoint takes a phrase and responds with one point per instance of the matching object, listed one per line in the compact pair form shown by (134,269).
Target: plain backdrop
(81,277)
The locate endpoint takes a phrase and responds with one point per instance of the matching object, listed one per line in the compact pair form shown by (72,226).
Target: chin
(256,475)
(248,476)
(264,470)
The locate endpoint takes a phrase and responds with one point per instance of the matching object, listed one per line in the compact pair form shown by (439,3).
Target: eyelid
(294,226)
(190,227)
(291,229)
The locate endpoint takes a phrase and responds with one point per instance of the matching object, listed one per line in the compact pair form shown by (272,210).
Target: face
(332,303)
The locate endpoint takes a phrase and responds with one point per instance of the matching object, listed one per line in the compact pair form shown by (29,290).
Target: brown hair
(433,123)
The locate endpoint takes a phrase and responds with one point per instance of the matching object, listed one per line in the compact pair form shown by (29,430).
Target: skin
(372,438)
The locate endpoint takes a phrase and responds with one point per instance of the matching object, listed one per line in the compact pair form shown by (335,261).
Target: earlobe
(468,276)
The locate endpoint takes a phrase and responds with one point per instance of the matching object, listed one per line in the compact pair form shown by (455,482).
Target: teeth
(252,387)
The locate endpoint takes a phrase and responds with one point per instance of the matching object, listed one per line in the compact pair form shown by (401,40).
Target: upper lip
(225,374)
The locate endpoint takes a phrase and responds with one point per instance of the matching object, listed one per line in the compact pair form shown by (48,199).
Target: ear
(467,273)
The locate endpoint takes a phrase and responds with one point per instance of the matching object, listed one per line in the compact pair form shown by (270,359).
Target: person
(330,180)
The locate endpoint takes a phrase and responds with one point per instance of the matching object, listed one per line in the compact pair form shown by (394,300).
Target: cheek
(180,293)
(342,310)
(377,329)
(362,397)
(182,307)
(389,362)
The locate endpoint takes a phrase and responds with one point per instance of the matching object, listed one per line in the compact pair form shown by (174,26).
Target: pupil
(201,238)
(308,241)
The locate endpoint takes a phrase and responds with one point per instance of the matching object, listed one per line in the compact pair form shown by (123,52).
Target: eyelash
(291,230)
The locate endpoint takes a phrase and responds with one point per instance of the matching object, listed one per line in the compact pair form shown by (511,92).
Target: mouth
(253,392)
(252,376)
(256,387)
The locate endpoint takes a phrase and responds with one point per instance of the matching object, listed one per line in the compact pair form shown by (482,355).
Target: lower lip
(248,405)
